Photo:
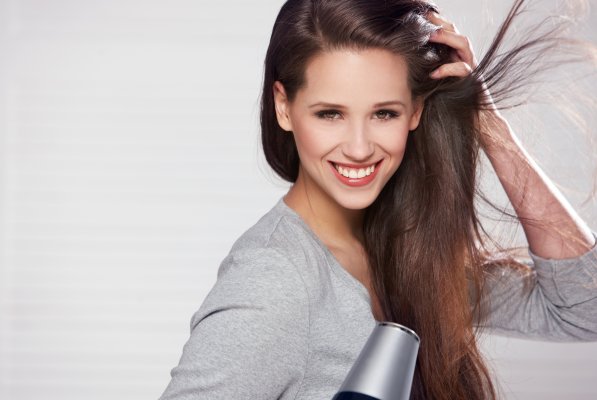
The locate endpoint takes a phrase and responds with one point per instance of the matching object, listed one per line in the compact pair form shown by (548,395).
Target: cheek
(311,140)
(394,142)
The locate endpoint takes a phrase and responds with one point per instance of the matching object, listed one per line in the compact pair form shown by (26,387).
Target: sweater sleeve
(249,338)
(553,300)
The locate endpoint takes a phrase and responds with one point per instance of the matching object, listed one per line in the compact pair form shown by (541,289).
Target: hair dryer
(385,367)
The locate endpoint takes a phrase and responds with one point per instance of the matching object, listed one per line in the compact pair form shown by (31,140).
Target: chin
(357,201)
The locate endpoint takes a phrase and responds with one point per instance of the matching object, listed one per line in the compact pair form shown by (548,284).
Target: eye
(327,114)
(386,114)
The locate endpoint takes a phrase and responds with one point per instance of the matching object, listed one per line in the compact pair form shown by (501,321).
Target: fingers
(438,20)
(460,43)
(463,57)
(458,69)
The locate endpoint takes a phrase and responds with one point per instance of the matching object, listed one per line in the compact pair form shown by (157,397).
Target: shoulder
(260,265)
(277,231)
(262,272)
(261,285)
(278,240)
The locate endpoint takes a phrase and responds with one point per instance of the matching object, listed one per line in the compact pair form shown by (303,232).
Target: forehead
(351,75)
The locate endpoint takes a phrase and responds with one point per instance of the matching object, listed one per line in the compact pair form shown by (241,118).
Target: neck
(335,225)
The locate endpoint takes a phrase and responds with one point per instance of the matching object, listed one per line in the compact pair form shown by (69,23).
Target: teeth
(355,173)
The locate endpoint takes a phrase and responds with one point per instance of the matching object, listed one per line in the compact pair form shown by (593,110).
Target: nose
(358,146)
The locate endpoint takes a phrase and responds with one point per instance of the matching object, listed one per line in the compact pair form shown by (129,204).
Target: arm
(249,338)
(550,299)
(555,297)
(561,233)
(552,228)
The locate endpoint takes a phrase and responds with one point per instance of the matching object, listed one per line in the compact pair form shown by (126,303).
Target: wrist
(494,129)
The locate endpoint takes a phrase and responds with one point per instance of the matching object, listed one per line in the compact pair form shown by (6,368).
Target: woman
(376,111)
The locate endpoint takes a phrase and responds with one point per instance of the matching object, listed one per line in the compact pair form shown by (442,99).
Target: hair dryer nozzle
(385,367)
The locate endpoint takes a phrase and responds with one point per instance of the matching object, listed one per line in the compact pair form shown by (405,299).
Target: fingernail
(434,74)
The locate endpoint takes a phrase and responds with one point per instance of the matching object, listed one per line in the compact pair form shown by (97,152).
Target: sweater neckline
(332,260)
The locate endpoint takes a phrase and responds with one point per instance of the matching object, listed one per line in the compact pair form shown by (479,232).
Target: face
(350,123)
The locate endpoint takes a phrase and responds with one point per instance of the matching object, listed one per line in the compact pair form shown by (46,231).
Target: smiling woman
(355,139)
(376,112)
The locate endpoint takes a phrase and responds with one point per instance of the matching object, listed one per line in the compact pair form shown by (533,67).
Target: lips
(355,181)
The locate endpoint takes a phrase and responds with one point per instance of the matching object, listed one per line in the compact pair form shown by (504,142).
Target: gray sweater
(285,320)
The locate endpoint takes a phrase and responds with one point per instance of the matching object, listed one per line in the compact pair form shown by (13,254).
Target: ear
(282,106)
(415,118)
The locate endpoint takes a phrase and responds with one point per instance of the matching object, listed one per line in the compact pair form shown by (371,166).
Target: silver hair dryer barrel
(385,367)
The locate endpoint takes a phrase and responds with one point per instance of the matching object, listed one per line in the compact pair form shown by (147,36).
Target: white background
(129,164)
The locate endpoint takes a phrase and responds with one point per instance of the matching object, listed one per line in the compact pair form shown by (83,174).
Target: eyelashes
(330,115)
(327,114)
(387,114)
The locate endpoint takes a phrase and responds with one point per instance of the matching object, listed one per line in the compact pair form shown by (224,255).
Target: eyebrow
(382,104)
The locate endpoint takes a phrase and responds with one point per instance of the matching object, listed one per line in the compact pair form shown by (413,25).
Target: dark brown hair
(422,234)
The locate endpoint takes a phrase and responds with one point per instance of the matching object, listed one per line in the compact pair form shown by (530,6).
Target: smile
(355,172)
(352,175)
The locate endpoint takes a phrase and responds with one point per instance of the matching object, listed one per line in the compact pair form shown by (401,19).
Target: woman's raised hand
(463,56)
(463,63)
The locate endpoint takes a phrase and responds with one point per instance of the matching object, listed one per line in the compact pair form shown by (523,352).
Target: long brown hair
(422,234)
